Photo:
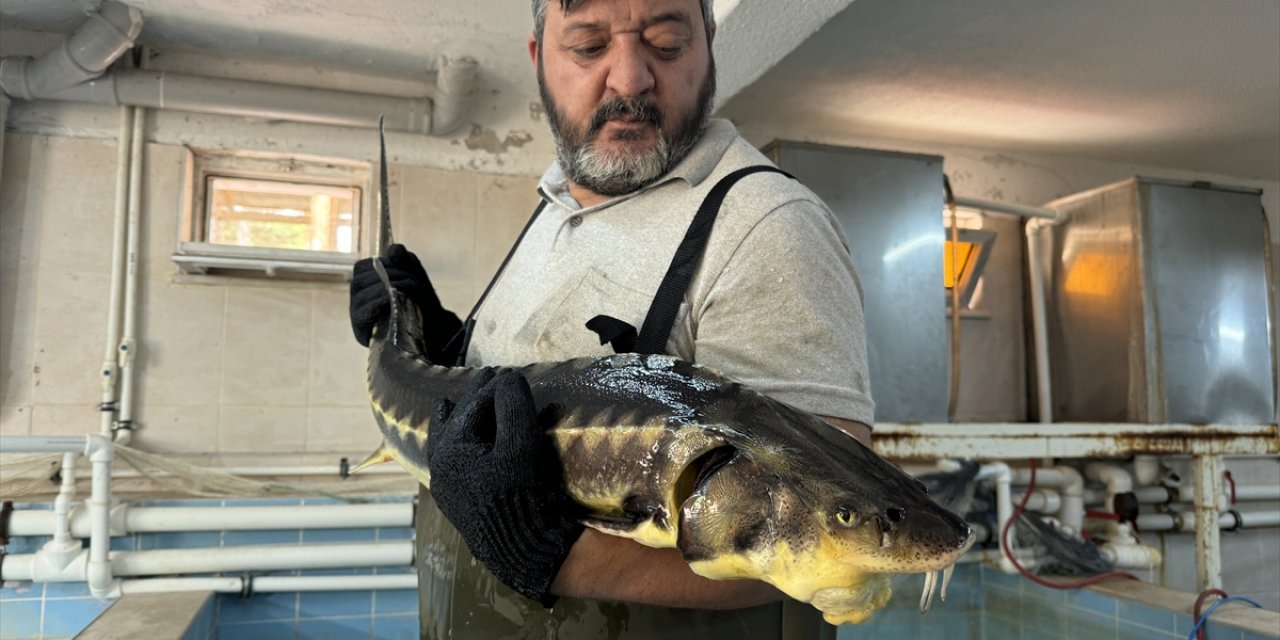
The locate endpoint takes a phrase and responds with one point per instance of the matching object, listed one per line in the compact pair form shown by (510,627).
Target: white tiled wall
(226,368)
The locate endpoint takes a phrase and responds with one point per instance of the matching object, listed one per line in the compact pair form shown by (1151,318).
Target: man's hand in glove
(496,477)
(370,303)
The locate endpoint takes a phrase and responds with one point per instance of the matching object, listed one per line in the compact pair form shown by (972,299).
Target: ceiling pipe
(83,56)
(248,99)
(74,72)
(455,79)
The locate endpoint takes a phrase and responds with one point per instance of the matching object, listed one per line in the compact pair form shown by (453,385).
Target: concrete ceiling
(1177,83)
(1183,84)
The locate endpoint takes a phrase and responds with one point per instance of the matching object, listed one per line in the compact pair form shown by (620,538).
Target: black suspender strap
(662,313)
(464,334)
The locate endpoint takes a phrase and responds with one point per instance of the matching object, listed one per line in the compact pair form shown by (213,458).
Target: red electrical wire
(1200,602)
(1004,545)
(1226,473)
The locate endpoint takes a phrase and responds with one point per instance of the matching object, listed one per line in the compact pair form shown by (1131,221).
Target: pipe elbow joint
(999,471)
(455,81)
(101,584)
(99,448)
(1073,482)
(1117,479)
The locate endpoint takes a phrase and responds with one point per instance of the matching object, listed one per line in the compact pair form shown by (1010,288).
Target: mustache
(619,107)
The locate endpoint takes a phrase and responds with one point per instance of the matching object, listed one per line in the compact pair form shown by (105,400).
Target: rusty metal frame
(1009,441)
(1206,443)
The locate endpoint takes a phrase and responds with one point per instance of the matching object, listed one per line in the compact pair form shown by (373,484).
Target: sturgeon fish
(673,454)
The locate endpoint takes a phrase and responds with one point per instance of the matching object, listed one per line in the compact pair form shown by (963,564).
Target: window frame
(195,255)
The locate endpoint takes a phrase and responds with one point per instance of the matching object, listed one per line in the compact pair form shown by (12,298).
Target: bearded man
(771,299)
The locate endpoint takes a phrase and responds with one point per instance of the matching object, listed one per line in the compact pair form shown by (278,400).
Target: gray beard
(614,174)
(618,173)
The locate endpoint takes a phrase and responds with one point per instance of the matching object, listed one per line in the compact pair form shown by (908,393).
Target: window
(963,261)
(273,215)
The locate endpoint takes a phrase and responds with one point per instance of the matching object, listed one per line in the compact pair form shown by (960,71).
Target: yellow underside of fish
(820,576)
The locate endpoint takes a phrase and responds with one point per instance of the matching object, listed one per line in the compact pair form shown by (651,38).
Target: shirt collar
(694,168)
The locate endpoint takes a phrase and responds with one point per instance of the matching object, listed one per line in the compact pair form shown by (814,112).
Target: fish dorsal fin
(385,237)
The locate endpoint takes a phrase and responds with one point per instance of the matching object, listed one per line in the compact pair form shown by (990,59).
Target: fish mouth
(941,577)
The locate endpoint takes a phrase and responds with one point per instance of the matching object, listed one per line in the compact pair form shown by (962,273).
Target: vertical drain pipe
(1037,218)
(59,551)
(1039,321)
(101,452)
(128,341)
(110,358)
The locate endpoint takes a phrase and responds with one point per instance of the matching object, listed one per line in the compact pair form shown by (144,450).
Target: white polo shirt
(775,301)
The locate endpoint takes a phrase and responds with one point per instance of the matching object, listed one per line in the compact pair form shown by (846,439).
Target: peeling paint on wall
(484,139)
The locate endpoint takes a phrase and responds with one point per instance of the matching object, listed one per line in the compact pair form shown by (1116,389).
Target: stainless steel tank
(1159,305)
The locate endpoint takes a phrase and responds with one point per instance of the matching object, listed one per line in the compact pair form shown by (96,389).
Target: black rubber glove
(370,302)
(496,476)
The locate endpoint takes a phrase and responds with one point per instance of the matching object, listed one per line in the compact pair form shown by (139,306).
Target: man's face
(627,86)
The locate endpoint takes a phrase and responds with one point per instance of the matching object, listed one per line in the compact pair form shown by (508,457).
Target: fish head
(823,518)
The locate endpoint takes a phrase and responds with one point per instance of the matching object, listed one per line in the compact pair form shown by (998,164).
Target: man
(774,302)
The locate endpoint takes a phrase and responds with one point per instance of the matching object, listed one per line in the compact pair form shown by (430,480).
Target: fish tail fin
(380,455)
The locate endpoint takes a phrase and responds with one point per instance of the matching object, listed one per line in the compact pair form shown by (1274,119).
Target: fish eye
(845,516)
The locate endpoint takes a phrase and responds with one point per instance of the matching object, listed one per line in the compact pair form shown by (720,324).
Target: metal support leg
(1208,484)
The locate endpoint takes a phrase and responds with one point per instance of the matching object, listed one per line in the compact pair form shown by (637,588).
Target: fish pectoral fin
(380,455)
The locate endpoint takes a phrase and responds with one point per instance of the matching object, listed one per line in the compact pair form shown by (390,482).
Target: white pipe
(263,558)
(1131,556)
(1039,323)
(1253,519)
(82,56)
(1258,492)
(221,559)
(307,470)
(1072,512)
(99,569)
(128,519)
(1208,483)
(1004,208)
(455,79)
(58,552)
(129,343)
(1185,521)
(110,368)
(1146,469)
(1183,495)
(273,584)
(1071,484)
(1000,473)
(44,444)
(1039,217)
(1157,494)
(249,99)
(1040,501)
(1117,481)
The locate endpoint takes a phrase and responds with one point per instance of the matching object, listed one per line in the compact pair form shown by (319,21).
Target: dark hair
(540,16)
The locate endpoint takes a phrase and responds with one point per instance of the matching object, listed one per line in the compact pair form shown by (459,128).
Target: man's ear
(533,52)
